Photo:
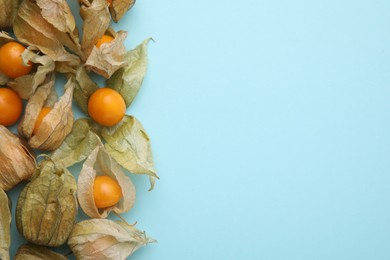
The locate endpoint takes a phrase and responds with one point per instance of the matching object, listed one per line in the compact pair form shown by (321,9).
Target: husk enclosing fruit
(16,160)
(99,163)
(35,252)
(57,124)
(47,207)
(106,239)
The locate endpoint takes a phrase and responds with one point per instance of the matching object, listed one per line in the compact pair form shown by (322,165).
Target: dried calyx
(47,207)
(8,10)
(16,159)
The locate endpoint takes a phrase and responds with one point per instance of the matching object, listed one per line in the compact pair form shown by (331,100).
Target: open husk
(47,207)
(97,19)
(28,84)
(16,160)
(57,124)
(35,252)
(109,58)
(99,163)
(49,26)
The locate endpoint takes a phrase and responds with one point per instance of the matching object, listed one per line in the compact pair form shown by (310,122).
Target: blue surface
(269,122)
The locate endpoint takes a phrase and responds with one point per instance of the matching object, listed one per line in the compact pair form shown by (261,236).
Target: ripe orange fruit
(41,116)
(11,107)
(104,39)
(11,63)
(106,192)
(106,106)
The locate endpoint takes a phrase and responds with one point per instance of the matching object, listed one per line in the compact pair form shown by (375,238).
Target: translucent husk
(99,163)
(16,160)
(57,124)
(47,207)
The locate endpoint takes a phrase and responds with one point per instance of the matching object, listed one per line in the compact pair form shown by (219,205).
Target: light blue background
(270,127)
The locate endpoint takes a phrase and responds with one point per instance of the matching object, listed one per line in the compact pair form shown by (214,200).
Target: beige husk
(28,84)
(8,10)
(99,163)
(35,252)
(56,125)
(119,8)
(106,239)
(109,58)
(47,207)
(16,160)
(97,19)
(49,26)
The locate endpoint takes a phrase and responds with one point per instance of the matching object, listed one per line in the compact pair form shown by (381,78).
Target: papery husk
(84,88)
(8,10)
(17,162)
(128,80)
(78,145)
(5,228)
(119,8)
(97,19)
(129,144)
(99,163)
(105,239)
(35,252)
(109,58)
(56,125)
(47,207)
(49,26)
(28,84)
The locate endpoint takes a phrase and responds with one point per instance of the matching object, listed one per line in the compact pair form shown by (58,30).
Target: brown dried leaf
(57,124)
(35,252)
(119,8)
(99,163)
(109,57)
(5,229)
(97,19)
(16,160)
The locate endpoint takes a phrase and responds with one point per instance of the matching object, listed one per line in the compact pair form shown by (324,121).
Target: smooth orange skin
(11,107)
(106,192)
(41,116)
(104,39)
(11,63)
(106,106)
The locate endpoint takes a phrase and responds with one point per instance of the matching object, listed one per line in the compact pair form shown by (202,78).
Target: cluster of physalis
(45,42)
